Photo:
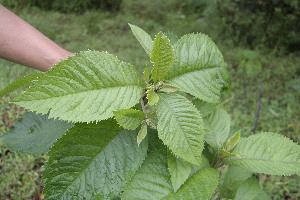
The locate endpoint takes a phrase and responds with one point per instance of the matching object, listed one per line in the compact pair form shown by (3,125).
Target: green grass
(20,175)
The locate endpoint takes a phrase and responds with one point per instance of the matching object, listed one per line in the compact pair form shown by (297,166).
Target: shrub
(109,133)
(274,24)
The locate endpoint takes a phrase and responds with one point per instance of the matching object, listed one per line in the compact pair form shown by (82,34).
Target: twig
(257,107)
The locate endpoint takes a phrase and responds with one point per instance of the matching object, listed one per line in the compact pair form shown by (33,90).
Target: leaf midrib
(261,159)
(197,70)
(76,93)
(181,130)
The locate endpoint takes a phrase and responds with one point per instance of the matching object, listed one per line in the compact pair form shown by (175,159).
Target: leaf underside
(86,87)
(129,118)
(19,83)
(267,153)
(167,88)
(143,38)
(199,68)
(92,161)
(180,127)
(218,126)
(142,133)
(232,141)
(34,134)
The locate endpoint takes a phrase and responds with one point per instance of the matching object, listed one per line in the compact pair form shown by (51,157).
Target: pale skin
(23,44)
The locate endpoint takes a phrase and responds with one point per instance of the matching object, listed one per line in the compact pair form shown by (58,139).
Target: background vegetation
(260,41)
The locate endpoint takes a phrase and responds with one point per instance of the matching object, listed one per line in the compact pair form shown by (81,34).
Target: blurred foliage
(281,187)
(280,80)
(272,23)
(65,5)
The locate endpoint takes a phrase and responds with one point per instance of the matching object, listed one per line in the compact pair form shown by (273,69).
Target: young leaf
(199,68)
(218,125)
(152,180)
(168,88)
(227,153)
(201,185)
(34,134)
(162,57)
(267,153)
(19,83)
(152,97)
(129,118)
(142,133)
(92,161)
(143,38)
(146,74)
(180,127)
(250,190)
(179,170)
(230,144)
(86,87)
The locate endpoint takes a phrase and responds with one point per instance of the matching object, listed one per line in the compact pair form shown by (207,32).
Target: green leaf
(180,127)
(199,68)
(143,38)
(129,118)
(92,161)
(172,36)
(234,177)
(233,130)
(142,133)
(227,153)
(201,185)
(179,170)
(204,107)
(197,168)
(152,97)
(21,82)
(250,190)
(267,153)
(34,134)
(162,57)
(152,180)
(86,87)
(168,88)
(218,125)
(146,74)
(232,142)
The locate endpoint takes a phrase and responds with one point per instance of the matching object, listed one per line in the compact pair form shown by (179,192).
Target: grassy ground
(278,78)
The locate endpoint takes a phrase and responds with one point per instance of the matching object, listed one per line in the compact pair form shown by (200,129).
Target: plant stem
(143,106)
